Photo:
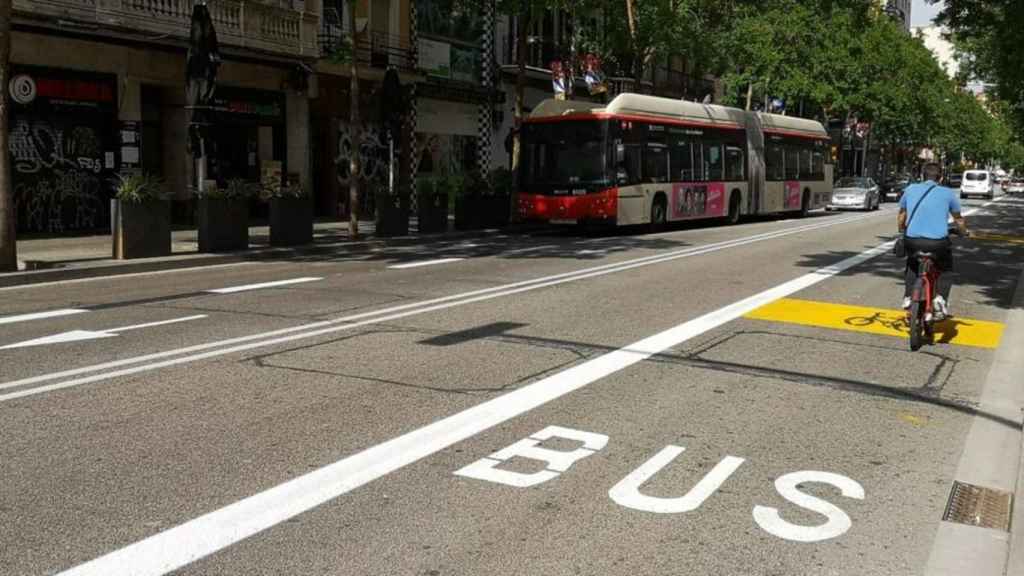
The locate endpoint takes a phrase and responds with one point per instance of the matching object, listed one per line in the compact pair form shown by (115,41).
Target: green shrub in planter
(223,217)
(291,215)
(140,217)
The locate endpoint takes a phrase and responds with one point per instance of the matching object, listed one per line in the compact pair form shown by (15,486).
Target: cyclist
(929,232)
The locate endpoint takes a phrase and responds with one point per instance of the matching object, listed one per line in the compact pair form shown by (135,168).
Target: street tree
(344,51)
(8,250)
(987,34)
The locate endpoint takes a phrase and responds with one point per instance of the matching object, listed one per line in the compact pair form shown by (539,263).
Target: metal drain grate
(979,506)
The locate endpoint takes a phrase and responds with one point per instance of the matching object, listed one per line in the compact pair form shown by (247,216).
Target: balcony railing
(263,26)
(373,49)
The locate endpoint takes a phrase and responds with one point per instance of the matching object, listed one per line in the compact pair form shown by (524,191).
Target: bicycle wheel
(916,326)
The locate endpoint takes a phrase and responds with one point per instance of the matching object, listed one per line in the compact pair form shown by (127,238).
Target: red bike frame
(924,289)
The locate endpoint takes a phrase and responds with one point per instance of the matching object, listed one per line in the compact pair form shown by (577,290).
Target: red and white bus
(648,160)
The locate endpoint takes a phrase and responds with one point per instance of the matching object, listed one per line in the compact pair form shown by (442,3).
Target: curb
(993,458)
(1011,362)
(75,270)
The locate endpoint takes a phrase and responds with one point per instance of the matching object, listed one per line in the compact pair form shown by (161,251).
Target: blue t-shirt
(932,218)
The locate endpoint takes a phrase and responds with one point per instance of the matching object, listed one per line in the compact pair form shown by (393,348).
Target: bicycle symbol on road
(879,319)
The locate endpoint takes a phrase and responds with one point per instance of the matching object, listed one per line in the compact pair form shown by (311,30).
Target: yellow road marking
(960,331)
(913,419)
(986,237)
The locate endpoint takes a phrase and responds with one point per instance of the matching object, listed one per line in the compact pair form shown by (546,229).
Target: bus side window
(806,170)
(818,165)
(773,162)
(735,164)
(792,163)
(681,161)
(713,162)
(632,165)
(655,163)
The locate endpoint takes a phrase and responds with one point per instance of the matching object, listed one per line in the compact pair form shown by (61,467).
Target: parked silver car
(854,193)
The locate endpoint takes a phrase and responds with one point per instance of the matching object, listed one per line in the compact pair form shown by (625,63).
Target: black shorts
(942,249)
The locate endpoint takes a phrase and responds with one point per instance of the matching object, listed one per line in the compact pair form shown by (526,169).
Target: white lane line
(528,250)
(80,335)
(160,323)
(41,315)
(423,263)
(198,538)
(37,285)
(383,315)
(591,252)
(260,286)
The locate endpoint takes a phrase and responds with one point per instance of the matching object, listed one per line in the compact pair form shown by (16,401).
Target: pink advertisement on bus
(793,198)
(698,200)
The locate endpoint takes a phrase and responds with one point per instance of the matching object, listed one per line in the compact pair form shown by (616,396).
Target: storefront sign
(23,89)
(435,58)
(258,106)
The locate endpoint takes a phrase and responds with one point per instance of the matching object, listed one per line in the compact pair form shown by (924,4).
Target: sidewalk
(46,253)
(993,460)
(55,259)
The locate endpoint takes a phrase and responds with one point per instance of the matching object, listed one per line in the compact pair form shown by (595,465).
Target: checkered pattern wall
(487,80)
(414,151)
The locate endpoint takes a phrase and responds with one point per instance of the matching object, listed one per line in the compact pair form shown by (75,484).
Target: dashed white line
(186,543)
(260,286)
(41,315)
(424,263)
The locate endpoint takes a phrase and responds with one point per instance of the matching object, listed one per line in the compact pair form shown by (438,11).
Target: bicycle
(920,315)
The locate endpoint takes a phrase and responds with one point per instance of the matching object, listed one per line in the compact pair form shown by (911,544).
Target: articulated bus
(648,160)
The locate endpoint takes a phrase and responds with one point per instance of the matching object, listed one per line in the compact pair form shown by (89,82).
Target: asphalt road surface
(710,400)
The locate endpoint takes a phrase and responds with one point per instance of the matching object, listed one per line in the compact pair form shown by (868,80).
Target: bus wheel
(734,209)
(805,205)
(659,213)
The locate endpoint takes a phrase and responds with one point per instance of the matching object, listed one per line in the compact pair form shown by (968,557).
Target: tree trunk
(631,19)
(354,171)
(525,18)
(8,249)
(750,94)
(521,42)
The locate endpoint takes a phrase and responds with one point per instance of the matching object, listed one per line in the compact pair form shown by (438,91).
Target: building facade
(98,89)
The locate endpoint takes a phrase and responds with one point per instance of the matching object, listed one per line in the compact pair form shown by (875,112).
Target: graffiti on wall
(58,176)
(373,154)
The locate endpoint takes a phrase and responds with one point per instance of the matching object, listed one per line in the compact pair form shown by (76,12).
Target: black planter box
(291,221)
(391,219)
(476,211)
(467,212)
(223,224)
(140,230)
(433,213)
(495,211)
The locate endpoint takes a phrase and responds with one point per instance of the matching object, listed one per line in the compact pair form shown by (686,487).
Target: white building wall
(932,36)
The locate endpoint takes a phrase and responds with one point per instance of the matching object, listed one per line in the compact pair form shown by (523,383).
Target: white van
(977,183)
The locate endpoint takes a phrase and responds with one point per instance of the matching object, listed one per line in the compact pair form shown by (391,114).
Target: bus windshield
(563,155)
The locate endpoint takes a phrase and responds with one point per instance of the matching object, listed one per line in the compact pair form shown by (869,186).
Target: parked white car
(1016,186)
(854,193)
(978,183)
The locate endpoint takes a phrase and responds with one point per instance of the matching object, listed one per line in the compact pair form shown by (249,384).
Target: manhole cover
(979,506)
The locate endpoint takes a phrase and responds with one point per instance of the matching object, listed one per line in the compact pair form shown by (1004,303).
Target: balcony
(266,26)
(374,49)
